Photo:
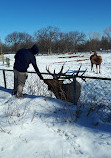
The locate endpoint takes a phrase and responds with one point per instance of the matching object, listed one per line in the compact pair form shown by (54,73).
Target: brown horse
(97,60)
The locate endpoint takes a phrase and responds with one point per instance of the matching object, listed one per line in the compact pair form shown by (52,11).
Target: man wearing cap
(23,58)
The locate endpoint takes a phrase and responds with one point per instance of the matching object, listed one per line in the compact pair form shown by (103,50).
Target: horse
(97,60)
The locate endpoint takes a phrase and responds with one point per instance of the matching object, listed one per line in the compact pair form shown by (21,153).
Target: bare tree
(107,33)
(104,44)
(46,37)
(76,38)
(64,42)
(94,40)
(18,39)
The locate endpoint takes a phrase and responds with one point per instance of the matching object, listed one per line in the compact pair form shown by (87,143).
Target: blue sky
(68,15)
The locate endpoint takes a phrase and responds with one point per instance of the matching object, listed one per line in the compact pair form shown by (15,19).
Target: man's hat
(35,49)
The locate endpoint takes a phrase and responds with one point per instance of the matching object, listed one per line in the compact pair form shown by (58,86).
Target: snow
(42,127)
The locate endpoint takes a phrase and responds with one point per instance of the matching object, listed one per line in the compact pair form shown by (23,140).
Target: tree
(17,40)
(76,38)
(107,33)
(104,43)
(64,43)
(0,47)
(94,40)
(46,38)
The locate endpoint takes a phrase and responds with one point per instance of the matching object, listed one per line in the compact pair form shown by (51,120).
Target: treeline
(51,40)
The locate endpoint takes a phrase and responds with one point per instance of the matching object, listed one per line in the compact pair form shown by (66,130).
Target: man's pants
(19,82)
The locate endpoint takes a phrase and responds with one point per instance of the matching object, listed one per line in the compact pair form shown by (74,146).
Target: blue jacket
(23,58)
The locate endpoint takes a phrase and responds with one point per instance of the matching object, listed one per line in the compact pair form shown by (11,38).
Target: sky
(68,15)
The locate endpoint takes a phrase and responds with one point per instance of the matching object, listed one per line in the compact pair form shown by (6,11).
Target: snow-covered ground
(43,127)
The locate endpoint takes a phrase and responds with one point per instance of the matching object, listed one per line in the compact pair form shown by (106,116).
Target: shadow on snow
(65,113)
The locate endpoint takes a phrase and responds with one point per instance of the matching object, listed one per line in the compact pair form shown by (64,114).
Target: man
(23,58)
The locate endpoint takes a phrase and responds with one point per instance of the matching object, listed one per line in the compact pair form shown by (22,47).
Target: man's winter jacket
(24,57)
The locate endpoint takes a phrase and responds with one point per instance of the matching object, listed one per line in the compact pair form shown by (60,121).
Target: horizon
(31,15)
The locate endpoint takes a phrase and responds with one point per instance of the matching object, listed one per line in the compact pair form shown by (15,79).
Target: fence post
(4,78)
(74,81)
